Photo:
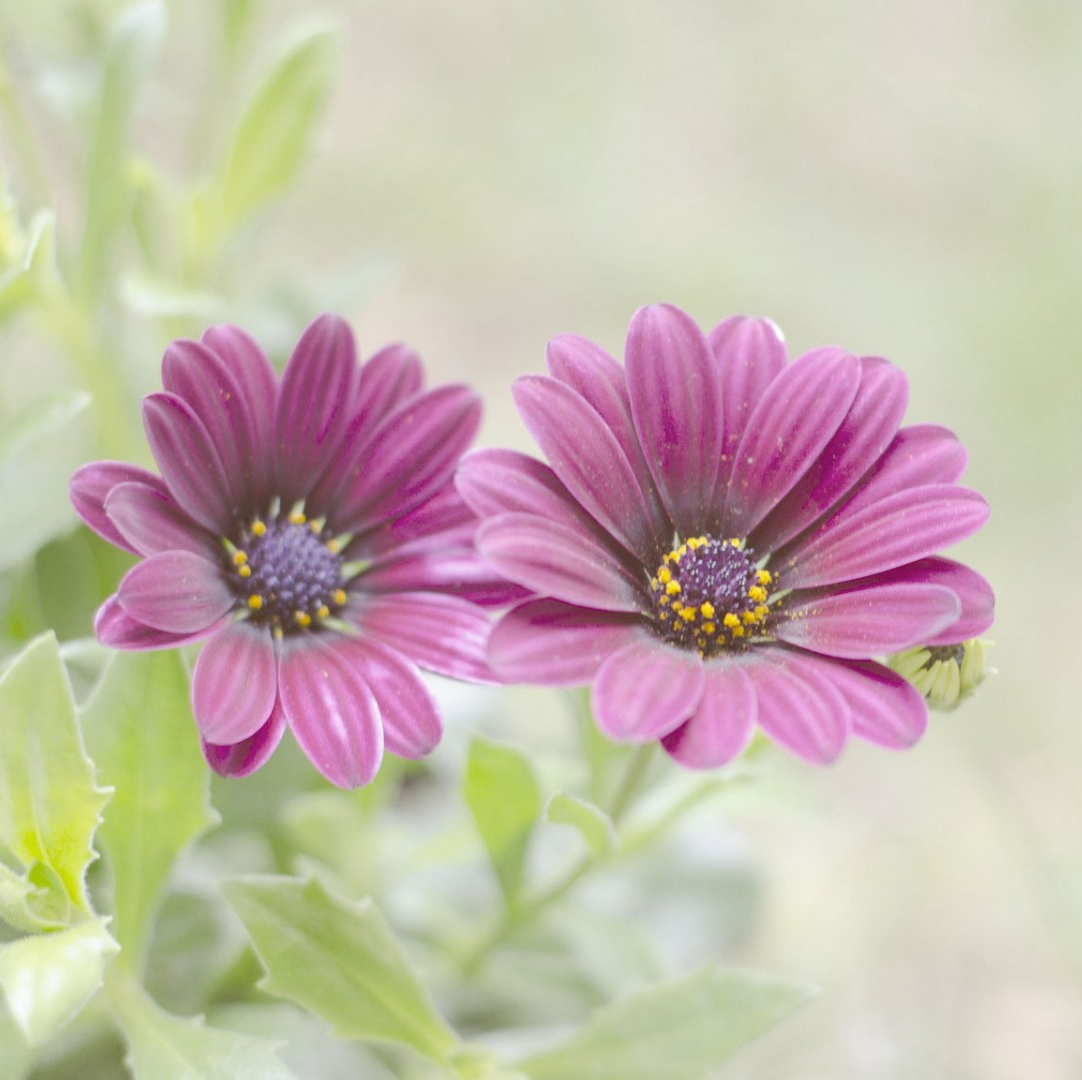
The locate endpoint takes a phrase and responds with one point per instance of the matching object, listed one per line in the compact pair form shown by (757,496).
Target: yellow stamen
(764,577)
(757,593)
(748,617)
(709,627)
(258,528)
(731,621)
(664,575)
(738,631)
(323,611)
(255,602)
(297,518)
(245,571)
(302,618)
(687,614)
(762,611)
(707,609)
(339,597)
(672,588)
(240,558)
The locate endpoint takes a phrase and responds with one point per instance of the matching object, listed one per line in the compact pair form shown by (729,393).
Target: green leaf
(140,731)
(679,1030)
(14,1052)
(40,418)
(22,282)
(48,978)
(166,1047)
(339,959)
(50,804)
(275,131)
(591,821)
(503,796)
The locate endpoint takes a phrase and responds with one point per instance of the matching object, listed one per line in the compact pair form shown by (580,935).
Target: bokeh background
(899,179)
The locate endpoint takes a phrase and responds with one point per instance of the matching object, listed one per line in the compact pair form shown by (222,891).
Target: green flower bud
(944,674)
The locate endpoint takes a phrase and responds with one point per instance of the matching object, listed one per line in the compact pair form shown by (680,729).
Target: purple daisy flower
(726,539)
(310,531)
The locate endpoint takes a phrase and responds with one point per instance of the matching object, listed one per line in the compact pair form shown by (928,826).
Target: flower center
(709,595)
(289,574)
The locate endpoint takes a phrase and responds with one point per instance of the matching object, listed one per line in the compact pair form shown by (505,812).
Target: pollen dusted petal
(675,390)
(151,521)
(114,627)
(863,622)
(799,706)
(721,727)
(555,644)
(176,591)
(244,757)
(794,421)
(90,487)
(234,684)
(332,712)
(647,689)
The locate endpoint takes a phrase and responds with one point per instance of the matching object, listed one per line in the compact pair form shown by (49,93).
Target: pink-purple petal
(866,431)
(189,461)
(721,727)
(554,559)
(800,708)
(114,627)
(332,712)
(245,757)
(407,709)
(550,643)
(318,389)
(588,459)
(234,684)
(388,378)
(887,710)
(675,391)
(750,353)
(150,521)
(177,591)
(646,689)
(90,487)
(786,432)
(444,634)
(895,530)
(864,622)
(457,570)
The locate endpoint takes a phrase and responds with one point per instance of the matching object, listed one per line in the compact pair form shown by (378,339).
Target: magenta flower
(725,539)
(310,531)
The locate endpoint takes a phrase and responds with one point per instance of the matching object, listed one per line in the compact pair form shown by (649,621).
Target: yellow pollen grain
(664,575)
(323,611)
(764,577)
(302,618)
(240,558)
(738,631)
(762,611)
(687,614)
(709,627)
(664,601)
(707,609)
(748,617)
(258,528)
(339,596)
(245,571)
(731,621)
(255,602)
(676,605)
(757,593)
(736,542)
(334,546)
(681,551)
(297,518)
(672,588)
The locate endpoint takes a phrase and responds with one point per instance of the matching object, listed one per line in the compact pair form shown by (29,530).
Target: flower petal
(248,755)
(749,353)
(234,684)
(794,421)
(887,710)
(412,455)
(332,711)
(444,634)
(407,709)
(646,690)
(388,378)
(150,521)
(897,529)
(189,462)
(556,560)
(800,707)
(114,627)
(863,622)
(177,591)
(457,570)
(721,727)
(555,644)
(588,459)
(90,487)
(318,389)
(675,390)
(866,431)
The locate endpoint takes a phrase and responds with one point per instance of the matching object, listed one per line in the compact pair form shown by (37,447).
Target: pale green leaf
(503,796)
(140,731)
(591,821)
(47,978)
(14,1051)
(166,1047)
(339,959)
(50,804)
(679,1030)
(22,282)
(276,128)
(40,418)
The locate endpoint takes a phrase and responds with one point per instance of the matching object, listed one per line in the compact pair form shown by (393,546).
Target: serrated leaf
(140,730)
(166,1047)
(47,978)
(277,126)
(339,959)
(503,796)
(679,1030)
(591,821)
(50,804)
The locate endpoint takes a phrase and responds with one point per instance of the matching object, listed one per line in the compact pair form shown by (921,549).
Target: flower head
(725,538)
(309,530)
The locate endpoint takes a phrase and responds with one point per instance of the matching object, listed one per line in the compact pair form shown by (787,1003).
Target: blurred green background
(903,180)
